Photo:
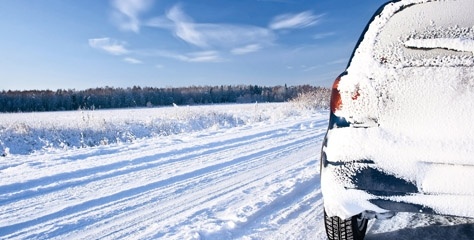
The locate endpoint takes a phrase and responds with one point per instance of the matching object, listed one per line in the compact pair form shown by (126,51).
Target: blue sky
(79,44)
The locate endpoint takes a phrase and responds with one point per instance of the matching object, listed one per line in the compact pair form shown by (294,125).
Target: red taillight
(356,93)
(336,101)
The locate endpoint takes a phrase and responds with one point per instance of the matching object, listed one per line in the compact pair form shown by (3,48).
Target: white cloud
(185,28)
(132,60)
(323,35)
(109,45)
(300,20)
(247,49)
(208,36)
(205,56)
(211,38)
(199,56)
(202,56)
(126,13)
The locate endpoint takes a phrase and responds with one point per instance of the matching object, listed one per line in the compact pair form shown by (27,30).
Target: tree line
(110,97)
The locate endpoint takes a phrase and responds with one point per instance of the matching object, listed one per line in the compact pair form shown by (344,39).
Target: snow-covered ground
(206,172)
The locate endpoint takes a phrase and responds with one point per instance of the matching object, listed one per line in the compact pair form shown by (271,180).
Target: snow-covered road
(257,181)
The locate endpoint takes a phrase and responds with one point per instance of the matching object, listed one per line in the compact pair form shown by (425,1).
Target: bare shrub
(315,99)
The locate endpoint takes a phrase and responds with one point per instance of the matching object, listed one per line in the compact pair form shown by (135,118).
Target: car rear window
(438,33)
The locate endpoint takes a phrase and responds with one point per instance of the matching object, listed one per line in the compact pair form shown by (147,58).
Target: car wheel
(353,228)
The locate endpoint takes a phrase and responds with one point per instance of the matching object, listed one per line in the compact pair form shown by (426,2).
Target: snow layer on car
(436,36)
(415,79)
(456,44)
(385,41)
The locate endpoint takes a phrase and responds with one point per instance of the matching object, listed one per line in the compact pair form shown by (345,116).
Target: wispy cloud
(132,60)
(299,20)
(304,68)
(323,35)
(126,13)
(198,56)
(247,49)
(109,45)
(185,28)
(204,56)
(209,36)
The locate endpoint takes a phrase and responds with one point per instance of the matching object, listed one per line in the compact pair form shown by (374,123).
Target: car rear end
(401,131)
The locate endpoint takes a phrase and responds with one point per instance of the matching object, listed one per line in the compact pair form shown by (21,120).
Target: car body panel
(402,137)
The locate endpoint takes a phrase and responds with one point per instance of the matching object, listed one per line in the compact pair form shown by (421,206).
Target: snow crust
(24,133)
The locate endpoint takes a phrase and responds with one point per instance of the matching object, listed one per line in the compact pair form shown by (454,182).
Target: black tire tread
(343,229)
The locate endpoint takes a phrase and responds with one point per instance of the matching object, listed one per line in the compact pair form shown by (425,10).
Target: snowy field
(204,172)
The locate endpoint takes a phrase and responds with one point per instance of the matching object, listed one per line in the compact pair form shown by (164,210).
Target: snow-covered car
(401,128)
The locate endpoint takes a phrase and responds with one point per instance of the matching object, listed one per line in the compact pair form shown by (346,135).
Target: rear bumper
(350,188)
(363,170)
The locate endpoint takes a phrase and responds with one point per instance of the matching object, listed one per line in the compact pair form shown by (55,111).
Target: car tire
(353,228)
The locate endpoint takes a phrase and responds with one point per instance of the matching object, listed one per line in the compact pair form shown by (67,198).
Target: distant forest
(109,97)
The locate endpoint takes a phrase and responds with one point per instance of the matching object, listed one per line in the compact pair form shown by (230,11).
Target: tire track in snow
(251,216)
(100,154)
(119,195)
(97,173)
(183,206)
(204,200)
(83,176)
(297,206)
(87,205)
